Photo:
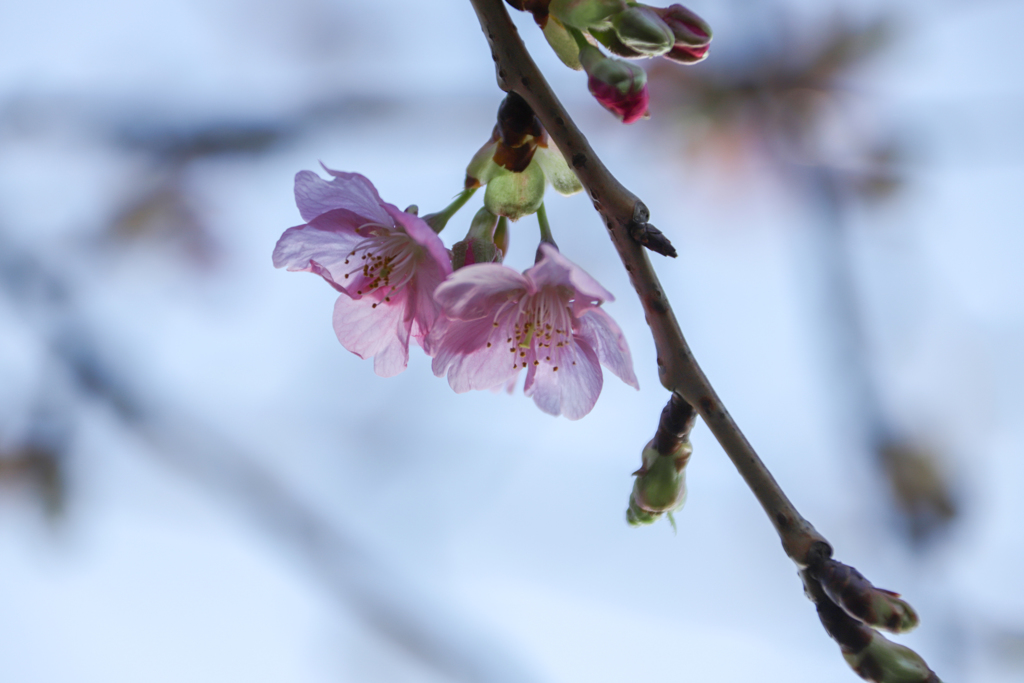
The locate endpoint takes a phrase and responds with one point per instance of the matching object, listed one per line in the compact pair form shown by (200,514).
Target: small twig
(625,215)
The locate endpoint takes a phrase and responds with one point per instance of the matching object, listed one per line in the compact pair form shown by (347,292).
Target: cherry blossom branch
(627,220)
(850,607)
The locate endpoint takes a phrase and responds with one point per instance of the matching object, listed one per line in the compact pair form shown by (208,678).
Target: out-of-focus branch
(624,215)
(390,602)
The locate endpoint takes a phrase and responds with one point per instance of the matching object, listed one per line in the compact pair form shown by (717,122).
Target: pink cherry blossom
(545,321)
(385,263)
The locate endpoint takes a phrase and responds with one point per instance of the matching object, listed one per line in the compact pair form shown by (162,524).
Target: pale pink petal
(598,328)
(327,239)
(351,191)
(474,355)
(423,235)
(554,269)
(572,389)
(479,290)
(394,358)
(367,331)
(425,310)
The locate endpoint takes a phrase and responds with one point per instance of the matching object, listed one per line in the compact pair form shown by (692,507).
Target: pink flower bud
(619,86)
(692,34)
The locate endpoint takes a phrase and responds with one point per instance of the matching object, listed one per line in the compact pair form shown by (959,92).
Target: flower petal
(573,388)
(479,290)
(598,328)
(423,235)
(464,356)
(554,269)
(307,248)
(351,191)
(381,331)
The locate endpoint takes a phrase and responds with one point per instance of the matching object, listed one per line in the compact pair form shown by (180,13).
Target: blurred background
(197,482)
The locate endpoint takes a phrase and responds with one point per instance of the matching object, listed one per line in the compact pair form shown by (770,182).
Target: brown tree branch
(872,656)
(623,214)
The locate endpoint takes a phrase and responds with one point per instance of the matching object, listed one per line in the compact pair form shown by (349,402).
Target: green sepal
(562,43)
(481,167)
(562,178)
(584,14)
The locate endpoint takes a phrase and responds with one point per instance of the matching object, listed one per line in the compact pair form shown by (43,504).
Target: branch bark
(622,212)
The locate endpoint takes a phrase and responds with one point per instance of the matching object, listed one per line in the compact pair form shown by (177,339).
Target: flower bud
(640,29)
(692,34)
(877,607)
(884,661)
(620,87)
(610,40)
(478,246)
(470,251)
(586,14)
(515,195)
(660,484)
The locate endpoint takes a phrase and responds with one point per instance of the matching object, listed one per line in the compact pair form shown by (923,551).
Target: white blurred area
(200,484)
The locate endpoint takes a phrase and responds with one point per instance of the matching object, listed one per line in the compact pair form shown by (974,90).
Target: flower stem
(438,220)
(545,226)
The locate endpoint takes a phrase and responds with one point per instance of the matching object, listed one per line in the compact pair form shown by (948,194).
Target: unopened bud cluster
(518,162)
(660,485)
(850,609)
(578,29)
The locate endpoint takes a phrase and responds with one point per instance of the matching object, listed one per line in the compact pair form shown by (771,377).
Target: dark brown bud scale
(878,607)
(538,8)
(516,121)
(518,132)
(677,420)
(851,635)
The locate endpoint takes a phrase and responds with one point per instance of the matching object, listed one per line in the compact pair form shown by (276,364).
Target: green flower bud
(660,485)
(586,14)
(642,30)
(884,661)
(515,195)
(637,516)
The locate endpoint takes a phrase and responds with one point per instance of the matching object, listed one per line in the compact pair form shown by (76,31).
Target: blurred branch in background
(161,206)
(786,103)
(391,603)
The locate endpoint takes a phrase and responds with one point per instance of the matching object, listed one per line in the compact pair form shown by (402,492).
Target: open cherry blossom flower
(385,263)
(545,321)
